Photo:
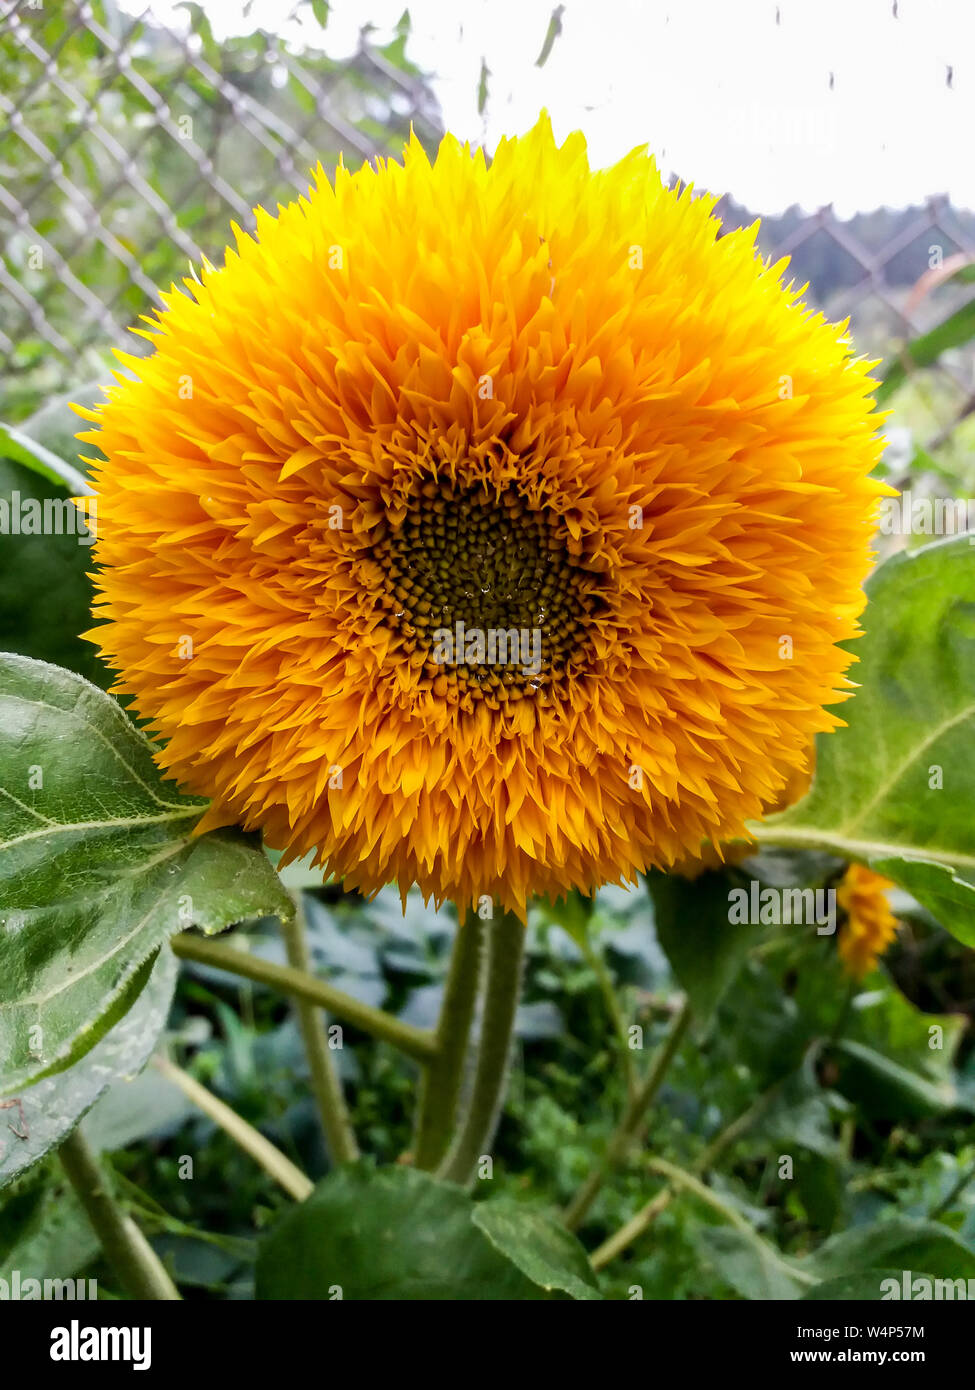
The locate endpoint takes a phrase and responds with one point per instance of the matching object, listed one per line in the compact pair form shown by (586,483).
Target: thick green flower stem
(326,1085)
(629,1126)
(136,1265)
(443,1076)
(415,1042)
(502,989)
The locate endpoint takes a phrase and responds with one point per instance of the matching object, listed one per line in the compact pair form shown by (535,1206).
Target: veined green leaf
(894,789)
(99,866)
(387,1233)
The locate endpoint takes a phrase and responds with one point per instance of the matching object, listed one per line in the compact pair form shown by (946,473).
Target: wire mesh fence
(132,138)
(131,142)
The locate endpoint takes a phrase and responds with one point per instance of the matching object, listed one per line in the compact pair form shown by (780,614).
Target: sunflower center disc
(482,586)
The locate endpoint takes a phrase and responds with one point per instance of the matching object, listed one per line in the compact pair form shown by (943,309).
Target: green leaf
(99,866)
(44,1231)
(964,275)
(861,1257)
(956,330)
(925,1247)
(539,1245)
(751,1266)
(947,894)
(19,447)
(915,711)
(45,590)
(386,1234)
(704,949)
(52,1107)
(883,1089)
(894,1061)
(821,1187)
(801,1114)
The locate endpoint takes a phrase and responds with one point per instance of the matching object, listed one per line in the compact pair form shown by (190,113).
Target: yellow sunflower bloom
(487,527)
(711,856)
(870,926)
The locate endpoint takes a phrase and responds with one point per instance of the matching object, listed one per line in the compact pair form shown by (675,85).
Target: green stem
(680,1178)
(597,965)
(443,1076)
(644,1219)
(737,1128)
(415,1042)
(627,1234)
(502,987)
(629,1126)
(136,1264)
(272,1160)
(706,1160)
(326,1085)
(843,1014)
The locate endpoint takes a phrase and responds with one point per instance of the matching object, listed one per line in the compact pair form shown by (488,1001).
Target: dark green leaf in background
(45,591)
(705,950)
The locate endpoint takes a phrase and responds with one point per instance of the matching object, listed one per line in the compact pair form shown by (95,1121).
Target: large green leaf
(383,1234)
(98,867)
(51,1108)
(895,787)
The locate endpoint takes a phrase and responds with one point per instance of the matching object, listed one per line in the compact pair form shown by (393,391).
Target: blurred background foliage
(880,1127)
(128,149)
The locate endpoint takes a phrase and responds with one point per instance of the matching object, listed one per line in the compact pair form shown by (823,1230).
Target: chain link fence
(131,140)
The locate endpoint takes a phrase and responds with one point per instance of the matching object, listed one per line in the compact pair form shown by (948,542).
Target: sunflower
(870,926)
(711,856)
(488,527)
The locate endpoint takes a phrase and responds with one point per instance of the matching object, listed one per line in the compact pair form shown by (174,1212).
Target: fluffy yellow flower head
(527,399)
(870,926)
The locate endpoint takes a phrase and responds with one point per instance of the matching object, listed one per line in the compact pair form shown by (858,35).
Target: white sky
(722,94)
